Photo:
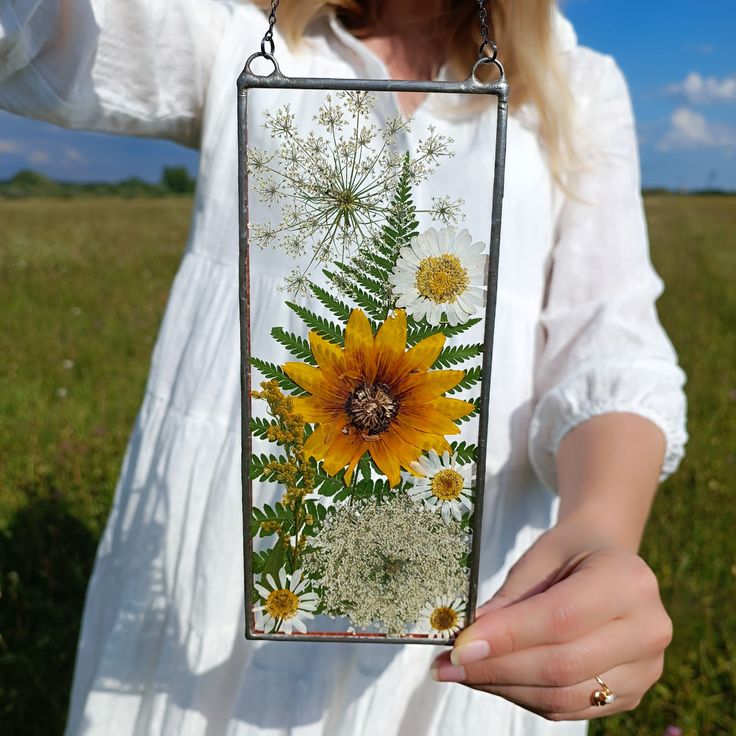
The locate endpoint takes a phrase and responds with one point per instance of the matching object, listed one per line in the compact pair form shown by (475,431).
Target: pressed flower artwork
(365,373)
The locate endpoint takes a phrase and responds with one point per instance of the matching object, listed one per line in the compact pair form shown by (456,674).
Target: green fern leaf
(297,346)
(338,308)
(472,414)
(465,452)
(259,427)
(420,330)
(277,513)
(275,373)
(472,377)
(320,325)
(258,470)
(456,354)
(368,303)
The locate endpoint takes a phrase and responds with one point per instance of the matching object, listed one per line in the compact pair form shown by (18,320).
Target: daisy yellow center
(371,408)
(443,618)
(282,604)
(441,278)
(447,485)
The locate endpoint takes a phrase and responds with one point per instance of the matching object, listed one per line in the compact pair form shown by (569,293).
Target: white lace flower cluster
(379,563)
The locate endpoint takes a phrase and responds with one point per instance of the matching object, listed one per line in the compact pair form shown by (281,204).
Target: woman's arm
(607,472)
(137,67)
(607,425)
(579,602)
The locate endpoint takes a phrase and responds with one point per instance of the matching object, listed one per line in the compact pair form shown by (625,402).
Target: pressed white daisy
(441,272)
(443,617)
(286,604)
(443,483)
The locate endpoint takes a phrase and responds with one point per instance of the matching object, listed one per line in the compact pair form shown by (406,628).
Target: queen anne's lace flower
(339,180)
(443,617)
(379,563)
(441,273)
(443,484)
(286,605)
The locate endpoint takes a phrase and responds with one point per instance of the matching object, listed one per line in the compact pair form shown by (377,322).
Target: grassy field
(83,286)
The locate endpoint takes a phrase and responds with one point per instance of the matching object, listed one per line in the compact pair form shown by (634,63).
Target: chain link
(485,33)
(268,36)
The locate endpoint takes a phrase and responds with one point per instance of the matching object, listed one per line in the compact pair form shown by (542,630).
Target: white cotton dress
(162,649)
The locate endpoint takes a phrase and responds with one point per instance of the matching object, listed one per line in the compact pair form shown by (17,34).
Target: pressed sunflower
(375,396)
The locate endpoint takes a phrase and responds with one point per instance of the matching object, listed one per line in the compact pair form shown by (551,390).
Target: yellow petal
(329,356)
(453,408)
(359,347)
(341,451)
(312,379)
(315,409)
(419,388)
(426,419)
(348,477)
(423,440)
(386,462)
(404,452)
(390,344)
(424,354)
(319,441)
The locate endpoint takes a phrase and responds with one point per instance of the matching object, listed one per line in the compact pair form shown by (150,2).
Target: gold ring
(604,696)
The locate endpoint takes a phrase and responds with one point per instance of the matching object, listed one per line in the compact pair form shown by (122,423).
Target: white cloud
(698,89)
(8,146)
(690,129)
(73,156)
(39,157)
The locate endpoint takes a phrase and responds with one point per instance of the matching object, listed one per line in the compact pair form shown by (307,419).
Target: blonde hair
(523,30)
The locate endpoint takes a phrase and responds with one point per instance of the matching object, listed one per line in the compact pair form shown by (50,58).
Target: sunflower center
(443,618)
(441,278)
(282,604)
(447,485)
(372,408)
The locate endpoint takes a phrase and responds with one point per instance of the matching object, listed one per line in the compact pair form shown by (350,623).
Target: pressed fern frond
(274,372)
(471,378)
(456,354)
(320,325)
(338,308)
(296,345)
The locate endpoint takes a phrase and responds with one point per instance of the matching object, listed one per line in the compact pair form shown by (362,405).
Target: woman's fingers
(556,665)
(573,702)
(571,608)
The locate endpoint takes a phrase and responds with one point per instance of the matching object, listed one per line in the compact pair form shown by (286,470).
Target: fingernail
(443,671)
(471,652)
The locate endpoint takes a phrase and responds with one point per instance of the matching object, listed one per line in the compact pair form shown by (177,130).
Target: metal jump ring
(268,38)
(263,55)
(482,50)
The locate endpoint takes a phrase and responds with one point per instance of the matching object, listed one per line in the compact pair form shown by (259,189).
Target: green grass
(83,286)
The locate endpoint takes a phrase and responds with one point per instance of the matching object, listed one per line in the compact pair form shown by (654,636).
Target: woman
(589,411)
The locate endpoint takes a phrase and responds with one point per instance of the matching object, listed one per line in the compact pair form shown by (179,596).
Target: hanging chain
(268,36)
(485,33)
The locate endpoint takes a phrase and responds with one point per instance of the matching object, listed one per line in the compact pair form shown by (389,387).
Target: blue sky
(679,58)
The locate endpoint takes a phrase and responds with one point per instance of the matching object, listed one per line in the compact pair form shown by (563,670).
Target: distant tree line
(175,180)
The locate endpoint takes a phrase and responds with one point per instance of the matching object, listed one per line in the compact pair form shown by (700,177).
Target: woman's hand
(573,607)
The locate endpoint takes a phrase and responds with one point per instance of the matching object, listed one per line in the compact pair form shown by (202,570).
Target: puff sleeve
(137,67)
(604,348)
